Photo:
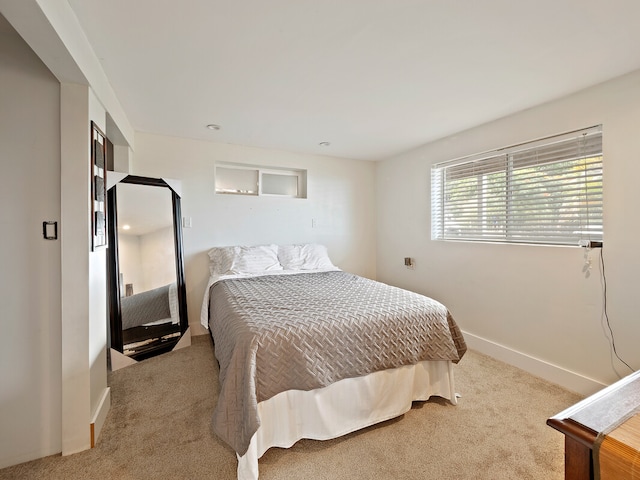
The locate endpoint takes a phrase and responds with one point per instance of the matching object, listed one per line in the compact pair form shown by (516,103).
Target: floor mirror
(147,293)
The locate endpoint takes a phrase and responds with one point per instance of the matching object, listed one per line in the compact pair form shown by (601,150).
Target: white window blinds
(548,191)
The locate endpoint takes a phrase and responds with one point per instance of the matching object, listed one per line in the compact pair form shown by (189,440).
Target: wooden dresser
(582,423)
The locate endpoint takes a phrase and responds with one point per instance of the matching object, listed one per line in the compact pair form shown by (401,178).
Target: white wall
(340,199)
(83,279)
(129,262)
(30,355)
(155,251)
(56,295)
(99,392)
(158,252)
(531,305)
(53,365)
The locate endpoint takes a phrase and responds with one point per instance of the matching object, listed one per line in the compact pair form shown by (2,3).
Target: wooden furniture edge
(575,430)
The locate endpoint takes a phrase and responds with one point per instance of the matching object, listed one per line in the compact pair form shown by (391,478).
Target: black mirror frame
(113,270)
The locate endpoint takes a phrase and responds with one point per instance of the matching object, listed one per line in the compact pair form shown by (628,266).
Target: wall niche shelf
(242,179)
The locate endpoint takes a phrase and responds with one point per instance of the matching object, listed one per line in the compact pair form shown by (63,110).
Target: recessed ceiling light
(324,144)
(213,126)
(126,227)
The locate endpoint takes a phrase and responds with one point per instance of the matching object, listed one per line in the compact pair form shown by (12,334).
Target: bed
(309,351)
(150,320)
(153,307)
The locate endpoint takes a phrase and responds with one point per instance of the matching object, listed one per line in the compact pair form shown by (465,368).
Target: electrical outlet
(590,244)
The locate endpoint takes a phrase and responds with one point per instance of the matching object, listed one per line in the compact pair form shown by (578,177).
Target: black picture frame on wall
(98,188)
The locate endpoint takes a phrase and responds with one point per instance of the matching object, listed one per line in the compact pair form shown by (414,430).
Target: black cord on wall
(606,315)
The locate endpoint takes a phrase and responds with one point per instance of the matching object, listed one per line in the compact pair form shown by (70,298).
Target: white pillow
(220,259)
(261,258)
(310,256)
(244,259)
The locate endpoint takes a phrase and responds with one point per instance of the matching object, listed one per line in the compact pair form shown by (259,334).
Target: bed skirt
(343,407)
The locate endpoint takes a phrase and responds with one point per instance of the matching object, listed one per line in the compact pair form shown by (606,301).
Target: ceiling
(372,77)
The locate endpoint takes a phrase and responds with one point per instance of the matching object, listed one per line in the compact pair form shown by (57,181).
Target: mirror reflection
(147,277)
(146,273)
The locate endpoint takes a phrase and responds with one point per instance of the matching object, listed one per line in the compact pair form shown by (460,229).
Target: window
(238,179)
(547,192)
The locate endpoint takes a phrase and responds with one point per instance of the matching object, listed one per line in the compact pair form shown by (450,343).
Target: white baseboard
(99,416)
(567,379)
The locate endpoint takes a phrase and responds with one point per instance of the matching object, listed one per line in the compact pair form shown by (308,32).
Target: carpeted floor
(159,428)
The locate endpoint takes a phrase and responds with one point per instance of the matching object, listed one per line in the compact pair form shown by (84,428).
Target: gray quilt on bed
(305,331)
(145,307)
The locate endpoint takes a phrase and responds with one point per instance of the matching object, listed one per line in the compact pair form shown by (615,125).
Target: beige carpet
(159,428)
